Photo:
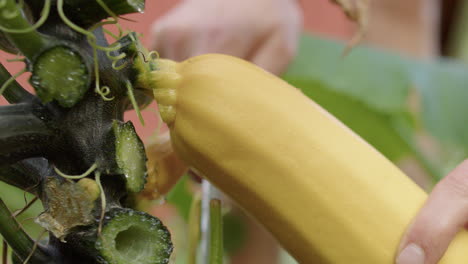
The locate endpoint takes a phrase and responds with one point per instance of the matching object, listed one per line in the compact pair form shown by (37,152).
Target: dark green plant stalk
(17,238)
(30,42)
(22,134)
(216,232)
(87,13)
(14,93)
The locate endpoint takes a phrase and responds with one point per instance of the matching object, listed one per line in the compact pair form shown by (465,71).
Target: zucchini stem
(17,239)
(22,134)
(11,80)
(13,92)
(129,236)
(36,243)
(19,31)
(4,252)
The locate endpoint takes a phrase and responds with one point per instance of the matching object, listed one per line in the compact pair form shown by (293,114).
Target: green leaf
(444,92)
(181,197)
(366,90)
(378,79)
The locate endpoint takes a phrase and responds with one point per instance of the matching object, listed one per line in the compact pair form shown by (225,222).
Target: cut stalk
(29,42)
(61,74)
(17,238)
(14,93)
(129,236)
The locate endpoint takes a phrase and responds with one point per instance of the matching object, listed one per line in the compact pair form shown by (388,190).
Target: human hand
(444,214)
(265,32)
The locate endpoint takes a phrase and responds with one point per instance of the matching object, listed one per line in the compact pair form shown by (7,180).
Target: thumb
(443,215)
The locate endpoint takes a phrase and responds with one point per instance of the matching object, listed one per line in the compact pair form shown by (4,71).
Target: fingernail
(412,254)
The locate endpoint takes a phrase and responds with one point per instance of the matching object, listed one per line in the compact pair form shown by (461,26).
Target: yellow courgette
(323,192)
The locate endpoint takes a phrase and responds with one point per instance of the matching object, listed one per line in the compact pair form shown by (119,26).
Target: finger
(275,53)
(170,39)
(220,39)
(443,215)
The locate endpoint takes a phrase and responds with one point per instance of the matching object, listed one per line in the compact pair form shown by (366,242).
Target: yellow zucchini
(323,192)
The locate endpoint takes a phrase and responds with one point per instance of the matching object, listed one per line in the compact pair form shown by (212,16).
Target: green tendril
(44,15)
(76,177)
(16,59)
(134,102)
(116,59)
(36,243)
(115,37)
(103,201)
(10,81)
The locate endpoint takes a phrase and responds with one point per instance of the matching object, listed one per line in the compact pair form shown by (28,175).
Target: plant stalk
(29,43)
(14,93)
(87,13)
(22,134)
(17,238)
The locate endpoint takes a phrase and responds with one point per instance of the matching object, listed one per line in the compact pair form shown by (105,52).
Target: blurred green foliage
(388,99)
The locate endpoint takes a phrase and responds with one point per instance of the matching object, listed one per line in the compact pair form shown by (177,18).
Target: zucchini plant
(68,144)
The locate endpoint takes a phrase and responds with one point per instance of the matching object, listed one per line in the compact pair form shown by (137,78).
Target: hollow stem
(29,42)
(129,236)
(17,238)
(14,92)
(22,134)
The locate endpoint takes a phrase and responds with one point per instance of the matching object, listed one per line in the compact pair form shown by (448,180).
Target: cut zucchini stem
(60,73)
(29,41)
(17,238)
(130,236)
(130,156)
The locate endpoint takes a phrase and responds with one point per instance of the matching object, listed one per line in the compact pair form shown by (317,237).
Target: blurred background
(403,89)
